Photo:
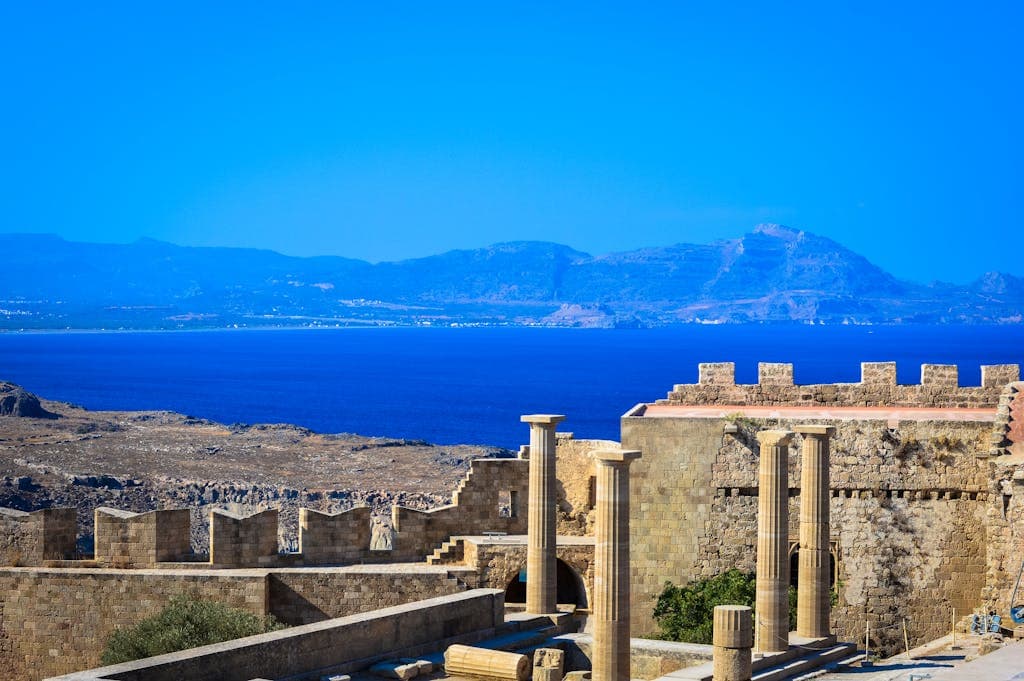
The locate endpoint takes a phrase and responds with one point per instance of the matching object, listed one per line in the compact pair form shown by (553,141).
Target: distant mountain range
(773,274)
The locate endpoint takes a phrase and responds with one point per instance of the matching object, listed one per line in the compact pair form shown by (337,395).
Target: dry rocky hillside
(58,454)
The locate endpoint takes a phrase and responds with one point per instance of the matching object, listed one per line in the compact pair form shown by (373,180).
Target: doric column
(772,599)
(732,636)
(541,571)
(610,658)
(812,609)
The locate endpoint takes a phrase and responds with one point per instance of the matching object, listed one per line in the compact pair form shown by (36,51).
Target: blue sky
(391,130)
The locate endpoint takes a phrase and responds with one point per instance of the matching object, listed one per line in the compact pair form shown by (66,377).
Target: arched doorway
(570,586)
(794,566)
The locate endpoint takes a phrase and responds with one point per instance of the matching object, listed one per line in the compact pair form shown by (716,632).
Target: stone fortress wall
(924,519)
(915,499)
(56,612)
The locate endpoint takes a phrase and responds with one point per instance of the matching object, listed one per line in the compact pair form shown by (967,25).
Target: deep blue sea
(458,385)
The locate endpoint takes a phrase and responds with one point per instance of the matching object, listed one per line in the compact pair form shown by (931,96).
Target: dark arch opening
(794,568)
(570,588)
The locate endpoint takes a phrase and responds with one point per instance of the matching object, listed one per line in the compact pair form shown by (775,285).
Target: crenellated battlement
(30,538)
(878,387)
(487,500)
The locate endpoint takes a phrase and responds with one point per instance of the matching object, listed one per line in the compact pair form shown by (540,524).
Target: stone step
(806,664)
(831,667)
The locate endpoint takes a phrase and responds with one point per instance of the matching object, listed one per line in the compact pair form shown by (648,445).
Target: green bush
(184,623)
(686,613)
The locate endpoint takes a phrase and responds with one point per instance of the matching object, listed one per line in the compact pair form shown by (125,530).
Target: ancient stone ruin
(880,502)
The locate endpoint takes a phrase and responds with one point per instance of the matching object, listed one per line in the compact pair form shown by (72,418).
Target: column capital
(774,438)
(542,419)
(615,456)
(819,430)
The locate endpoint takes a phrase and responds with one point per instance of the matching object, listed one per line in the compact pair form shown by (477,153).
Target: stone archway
(570,585)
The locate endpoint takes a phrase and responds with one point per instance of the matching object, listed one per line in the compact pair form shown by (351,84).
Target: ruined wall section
(476,508)
(576,488)
(28,539)
(939,387)
(909,502)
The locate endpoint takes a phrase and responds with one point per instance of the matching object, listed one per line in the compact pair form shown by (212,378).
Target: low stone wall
(31,538)
(126,539)
(335,646)
(303,596)
(54,621)
(939,387)
(243,541)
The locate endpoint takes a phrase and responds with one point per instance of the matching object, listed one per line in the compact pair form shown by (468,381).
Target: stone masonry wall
(31,538)
(909,501)
(474,509)
(334,538)
(896,557)
(243,541)
(938,388)
(125,539)
(576,487)
(303,595)
(56,621)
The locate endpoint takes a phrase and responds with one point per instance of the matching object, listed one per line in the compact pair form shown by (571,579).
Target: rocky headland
(59,454)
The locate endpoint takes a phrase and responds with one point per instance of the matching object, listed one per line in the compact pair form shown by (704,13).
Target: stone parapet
(126,539)
(29,539)
(939,387)
(334,538)
(243,541)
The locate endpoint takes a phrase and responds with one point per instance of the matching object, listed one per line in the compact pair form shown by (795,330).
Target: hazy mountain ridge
(772,274)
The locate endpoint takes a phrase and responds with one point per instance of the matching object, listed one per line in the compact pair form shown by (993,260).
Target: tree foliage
(184,623)
(686,613)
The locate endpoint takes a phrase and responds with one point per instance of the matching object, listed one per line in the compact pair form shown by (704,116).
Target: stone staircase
(798,662)
(451,551)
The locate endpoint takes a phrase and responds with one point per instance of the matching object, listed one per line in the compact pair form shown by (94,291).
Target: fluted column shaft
(610,657)
(813,608)
(732,638)
(772,599)
(541,568)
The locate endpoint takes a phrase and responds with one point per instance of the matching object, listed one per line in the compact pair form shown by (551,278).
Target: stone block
(774,374)
(717,373)
(998,375)
(878,373)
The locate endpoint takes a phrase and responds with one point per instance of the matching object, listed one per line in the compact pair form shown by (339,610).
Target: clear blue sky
(383,131)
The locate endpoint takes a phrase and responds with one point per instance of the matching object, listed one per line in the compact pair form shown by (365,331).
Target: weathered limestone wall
(496,565)
(938,388)
(243,541)
(1005,513)
(909,505)
(475,509)
(303,595)
(56,621)
(30,538)
(126,539)
(337,538)
(671,500)
(340,646)
(576,486)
